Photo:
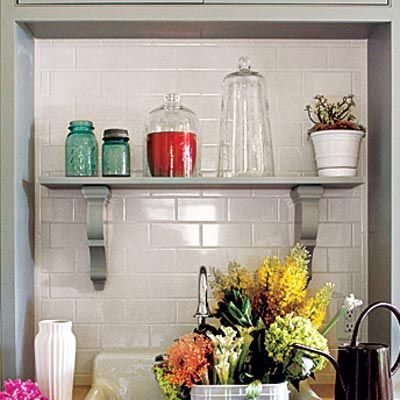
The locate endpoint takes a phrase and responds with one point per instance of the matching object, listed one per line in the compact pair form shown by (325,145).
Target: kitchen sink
(124,375)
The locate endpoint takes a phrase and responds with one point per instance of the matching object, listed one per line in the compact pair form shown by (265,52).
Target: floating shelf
(306,193)
(202,183)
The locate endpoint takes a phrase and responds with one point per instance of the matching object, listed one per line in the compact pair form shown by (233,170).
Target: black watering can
(363,370)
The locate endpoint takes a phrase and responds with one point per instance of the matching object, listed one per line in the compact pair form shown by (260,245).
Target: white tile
(189,260)
(296,159)
(251,257)
(53,159)
(174,235)
(57,260)
(150,57)
(202,209)
(57,57)
(100,311)
(334,235)
(84,361)
(209,158)
(116,260)
(283,84)
(57,309)
(58,132)
(210,131)
(55,108)
(57,210)
(346,57)
(150,209)
(344,210)
(68,235)
(150,261)
(162,336)
(100,58)
(302,57)
(173,286)
(186,311)
(286,209)
(138,107)
(256,209)
(125,83)
(230,235)
(341,281)
(125,235)
(104,108)
(320,260)
(120,336)
(74,83)
(87,336)
(272,234)
(124,286)
(344,260)
(286,133)
(164,82)
(71,286)
(328,83)
(81,259)
(151,311)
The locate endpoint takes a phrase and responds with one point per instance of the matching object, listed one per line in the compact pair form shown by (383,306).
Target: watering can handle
(363,315)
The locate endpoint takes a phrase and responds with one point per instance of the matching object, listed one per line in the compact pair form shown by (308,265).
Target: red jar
(171,144)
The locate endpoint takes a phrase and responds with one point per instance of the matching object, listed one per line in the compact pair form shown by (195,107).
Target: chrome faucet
(203,312)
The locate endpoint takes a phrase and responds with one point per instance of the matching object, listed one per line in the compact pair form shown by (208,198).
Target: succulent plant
(327,115)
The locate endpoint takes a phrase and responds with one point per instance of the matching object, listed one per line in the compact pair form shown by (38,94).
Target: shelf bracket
(97,200)
(306,217)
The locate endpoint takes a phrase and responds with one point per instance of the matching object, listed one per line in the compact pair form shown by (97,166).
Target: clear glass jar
(245,143)
(81,150)
(171,140)
(116,153)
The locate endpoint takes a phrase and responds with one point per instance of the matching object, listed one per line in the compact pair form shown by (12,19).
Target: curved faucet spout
(203,310)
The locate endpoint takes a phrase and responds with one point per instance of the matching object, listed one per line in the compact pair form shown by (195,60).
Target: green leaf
(254,390)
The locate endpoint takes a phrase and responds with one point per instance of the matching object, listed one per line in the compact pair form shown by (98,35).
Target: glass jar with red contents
(172,140)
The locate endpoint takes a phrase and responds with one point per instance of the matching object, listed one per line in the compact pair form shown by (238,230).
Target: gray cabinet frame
(381,25)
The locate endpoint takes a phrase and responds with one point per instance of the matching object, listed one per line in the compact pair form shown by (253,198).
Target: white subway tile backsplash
(151,311)
(74,83)
(226,235)
(123,337)
(150,210)
(55,58)
(157,240)
(100,311)
(174,235)
(255,210)
(100,58)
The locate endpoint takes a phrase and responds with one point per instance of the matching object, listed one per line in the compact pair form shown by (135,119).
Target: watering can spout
(330,359)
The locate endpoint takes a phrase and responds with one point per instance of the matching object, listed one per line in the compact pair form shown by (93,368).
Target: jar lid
(115,133)
(81,123)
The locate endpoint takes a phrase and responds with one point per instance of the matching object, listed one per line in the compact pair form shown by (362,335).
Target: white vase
(55,349)
(275,391)
(336,151)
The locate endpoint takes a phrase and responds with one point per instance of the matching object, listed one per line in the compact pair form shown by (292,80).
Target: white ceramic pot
(336,151)
(55,348)
(276,391)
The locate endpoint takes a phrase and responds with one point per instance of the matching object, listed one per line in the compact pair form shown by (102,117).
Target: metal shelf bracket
(97,200)
(306,217)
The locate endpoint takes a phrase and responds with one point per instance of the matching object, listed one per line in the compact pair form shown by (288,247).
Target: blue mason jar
(116,153)
(81,150)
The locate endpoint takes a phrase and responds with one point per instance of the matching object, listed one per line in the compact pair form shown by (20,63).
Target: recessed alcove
(191,22)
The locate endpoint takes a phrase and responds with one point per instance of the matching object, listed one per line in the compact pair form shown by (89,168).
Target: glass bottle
(81,151)
(245,143)
(172,140)
(116,153)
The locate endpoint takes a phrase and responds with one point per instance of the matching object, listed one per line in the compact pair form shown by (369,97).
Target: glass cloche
(245,143)
(172,140)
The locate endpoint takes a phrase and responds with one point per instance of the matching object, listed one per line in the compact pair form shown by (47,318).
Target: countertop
(323,390)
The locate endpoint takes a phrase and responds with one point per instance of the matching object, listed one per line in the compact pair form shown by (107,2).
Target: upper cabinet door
(110,2)
(304,2)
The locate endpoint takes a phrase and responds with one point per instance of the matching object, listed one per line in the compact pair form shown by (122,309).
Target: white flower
(350,302)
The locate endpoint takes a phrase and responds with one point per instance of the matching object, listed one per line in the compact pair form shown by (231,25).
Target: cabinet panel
(109,2)
(276,2)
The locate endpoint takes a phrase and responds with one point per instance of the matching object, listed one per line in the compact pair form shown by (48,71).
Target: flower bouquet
(260,316)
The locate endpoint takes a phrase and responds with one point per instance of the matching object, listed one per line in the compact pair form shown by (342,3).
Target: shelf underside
(201,183)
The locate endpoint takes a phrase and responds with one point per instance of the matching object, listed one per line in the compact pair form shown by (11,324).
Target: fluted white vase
(55,349)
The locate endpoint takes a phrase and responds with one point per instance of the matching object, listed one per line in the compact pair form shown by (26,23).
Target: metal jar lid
(115,133)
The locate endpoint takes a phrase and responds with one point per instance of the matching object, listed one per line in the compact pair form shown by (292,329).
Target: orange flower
(188,360)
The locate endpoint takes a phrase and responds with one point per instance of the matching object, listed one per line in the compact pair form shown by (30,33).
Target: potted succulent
(249,353)
(336,135)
